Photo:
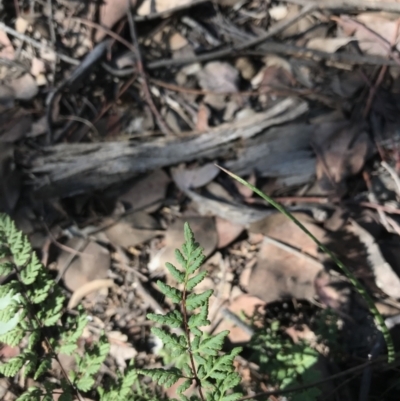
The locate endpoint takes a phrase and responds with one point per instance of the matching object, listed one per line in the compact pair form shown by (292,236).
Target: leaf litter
(110,135)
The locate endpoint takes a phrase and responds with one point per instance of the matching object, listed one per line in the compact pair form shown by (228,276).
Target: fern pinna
(213,374)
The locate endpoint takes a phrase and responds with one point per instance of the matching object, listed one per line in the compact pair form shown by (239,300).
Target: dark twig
(277,48)
(145,87)
(351,5)
(236,50)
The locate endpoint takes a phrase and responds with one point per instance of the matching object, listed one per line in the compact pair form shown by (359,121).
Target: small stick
(139,64)
(37,44)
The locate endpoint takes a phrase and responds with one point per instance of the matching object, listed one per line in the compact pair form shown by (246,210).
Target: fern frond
(163,377)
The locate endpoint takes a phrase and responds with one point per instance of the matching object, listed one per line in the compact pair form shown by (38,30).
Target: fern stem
(187,332)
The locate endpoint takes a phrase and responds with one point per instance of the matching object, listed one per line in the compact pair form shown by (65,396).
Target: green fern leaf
(43,367)
(176,274)
(211,345)
(163,377)
(199,319)
(172,319)
(184,386)
(85,383)
(6,268)
(171,340)
(198,278)
(29,274)
(193,301)
(33,338)
(170,292)
(180,258)
(11,367)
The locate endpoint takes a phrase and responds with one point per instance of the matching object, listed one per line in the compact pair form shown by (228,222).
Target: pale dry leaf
(91,263)
(278,12)
(243,304)
(37,67)
(177,41)
(148,192)
(330,45)
(159,6)
(132,229)
(195,177)
(21,24)
(227,231)
(378,23)
(122,353)
(88,289)
(299,26)
(342,150)
(111,11)
(25,87)
(245,67)
(6,48)
(280,273)
(218,76)
(203,114)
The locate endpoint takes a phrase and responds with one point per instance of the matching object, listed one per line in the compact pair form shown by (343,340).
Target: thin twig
(233,51)
(350,5)
(145,87)
(277,48)
(38,45)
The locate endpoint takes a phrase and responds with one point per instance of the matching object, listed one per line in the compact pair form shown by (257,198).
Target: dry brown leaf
(227,231)
(379,23)
(147,192)
(196,177)
(25,87)
(218,76)
(203,114)
(86,289)
(6,48)
(246,304)
(342,150)
(177,41)
(331,291)
(132,229)
(92,263)
(111,11)
(300,26)
(280,273)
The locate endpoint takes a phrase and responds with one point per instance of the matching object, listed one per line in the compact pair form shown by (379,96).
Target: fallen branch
(68,169)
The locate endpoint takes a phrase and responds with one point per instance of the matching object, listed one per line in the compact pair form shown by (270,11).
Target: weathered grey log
(68,169)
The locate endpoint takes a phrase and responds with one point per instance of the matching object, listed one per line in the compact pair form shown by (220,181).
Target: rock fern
(207,368)
(33,316)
